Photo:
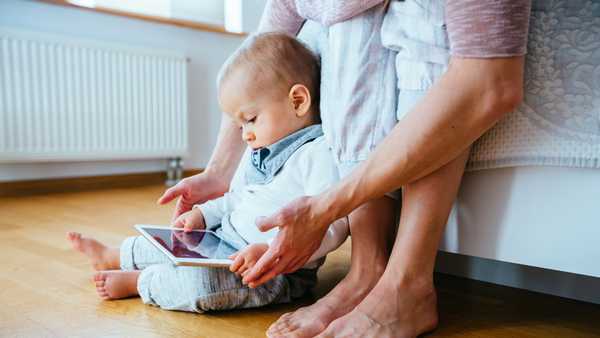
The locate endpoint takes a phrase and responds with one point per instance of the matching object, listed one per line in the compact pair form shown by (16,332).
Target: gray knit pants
(199,289)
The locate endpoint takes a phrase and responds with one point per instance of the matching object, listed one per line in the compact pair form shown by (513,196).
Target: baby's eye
(252,120)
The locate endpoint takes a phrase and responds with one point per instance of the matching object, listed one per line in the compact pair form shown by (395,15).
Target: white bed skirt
(546,217)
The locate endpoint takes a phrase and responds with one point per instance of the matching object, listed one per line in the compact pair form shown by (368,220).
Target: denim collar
(265,162)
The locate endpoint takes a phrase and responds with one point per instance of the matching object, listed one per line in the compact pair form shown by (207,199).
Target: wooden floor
(45,288)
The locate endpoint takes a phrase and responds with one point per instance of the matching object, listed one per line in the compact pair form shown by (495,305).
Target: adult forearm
(227,152)
(467,101)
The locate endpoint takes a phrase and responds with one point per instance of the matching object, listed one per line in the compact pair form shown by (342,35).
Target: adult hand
(194,190)
(302,226)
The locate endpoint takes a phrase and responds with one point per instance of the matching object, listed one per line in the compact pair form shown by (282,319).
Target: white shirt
(308,171)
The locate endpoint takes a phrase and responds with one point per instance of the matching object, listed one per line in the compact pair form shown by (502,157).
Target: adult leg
(403,303)
(371,229)
(357,81)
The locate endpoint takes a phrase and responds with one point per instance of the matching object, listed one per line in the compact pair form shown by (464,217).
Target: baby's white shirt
(308,171)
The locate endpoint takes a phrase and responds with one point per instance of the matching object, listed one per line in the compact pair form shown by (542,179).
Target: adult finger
(181,207)
(270,274)
(268,223)
(264,263)
(171,193)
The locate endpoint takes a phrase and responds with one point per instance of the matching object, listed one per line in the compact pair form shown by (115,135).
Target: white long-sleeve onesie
(308,171)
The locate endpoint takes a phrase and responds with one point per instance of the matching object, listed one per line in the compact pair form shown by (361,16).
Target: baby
(270,87)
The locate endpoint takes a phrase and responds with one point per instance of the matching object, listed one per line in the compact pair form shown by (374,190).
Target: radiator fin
(64,99)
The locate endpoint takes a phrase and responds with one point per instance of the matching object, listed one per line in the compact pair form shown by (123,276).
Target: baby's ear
(300,99)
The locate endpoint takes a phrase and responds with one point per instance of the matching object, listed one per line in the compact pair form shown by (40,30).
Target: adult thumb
(266,223)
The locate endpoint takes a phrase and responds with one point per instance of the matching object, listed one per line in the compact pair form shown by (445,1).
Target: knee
(171,288)
(198,289)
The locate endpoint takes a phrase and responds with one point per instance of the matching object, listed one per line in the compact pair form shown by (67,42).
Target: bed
(531,195)
(508,223)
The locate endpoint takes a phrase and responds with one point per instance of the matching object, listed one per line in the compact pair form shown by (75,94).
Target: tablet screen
(195,244)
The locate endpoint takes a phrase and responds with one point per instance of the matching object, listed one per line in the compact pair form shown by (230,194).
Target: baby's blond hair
(276,61)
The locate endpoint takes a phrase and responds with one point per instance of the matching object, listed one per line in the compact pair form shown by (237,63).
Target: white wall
(243,16)
(209,11)
(206,50)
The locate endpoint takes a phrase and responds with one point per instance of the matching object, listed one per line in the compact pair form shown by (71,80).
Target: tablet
(195,248)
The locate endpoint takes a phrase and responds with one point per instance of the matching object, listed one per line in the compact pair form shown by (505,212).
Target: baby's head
(270,87)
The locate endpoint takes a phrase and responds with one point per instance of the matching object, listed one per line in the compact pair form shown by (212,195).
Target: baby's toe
(102,292)
(73,235)
(99,277)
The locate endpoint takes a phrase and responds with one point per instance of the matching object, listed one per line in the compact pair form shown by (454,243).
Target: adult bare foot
(370,226)
(311,320)
(101,256)
(390,310)
(116,284)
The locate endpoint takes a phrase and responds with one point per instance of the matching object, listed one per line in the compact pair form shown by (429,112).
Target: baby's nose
(248,136)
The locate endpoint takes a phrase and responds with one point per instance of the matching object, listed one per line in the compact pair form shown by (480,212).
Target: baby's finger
(271,273)
(178,223)
(242,270)
(176,237)
(266,262)
(250,263)
(236,264)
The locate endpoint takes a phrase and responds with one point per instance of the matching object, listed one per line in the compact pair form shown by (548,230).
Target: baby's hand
(245,259)
(191,220)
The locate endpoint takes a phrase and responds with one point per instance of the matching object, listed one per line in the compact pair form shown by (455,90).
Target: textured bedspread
(559,122)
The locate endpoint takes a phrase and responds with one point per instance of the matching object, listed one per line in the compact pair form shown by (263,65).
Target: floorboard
(46,291)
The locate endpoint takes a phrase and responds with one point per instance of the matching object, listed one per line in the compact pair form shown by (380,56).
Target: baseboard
(72,184)
(558,283)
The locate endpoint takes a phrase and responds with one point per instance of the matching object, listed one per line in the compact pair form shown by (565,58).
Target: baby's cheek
(272,135)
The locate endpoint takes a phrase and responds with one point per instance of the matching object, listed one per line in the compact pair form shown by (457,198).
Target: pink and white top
(476,28)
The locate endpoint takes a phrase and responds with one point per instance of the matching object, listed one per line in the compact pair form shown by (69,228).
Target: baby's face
(264,116)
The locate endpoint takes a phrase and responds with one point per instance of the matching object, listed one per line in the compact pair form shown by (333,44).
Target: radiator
(65,99)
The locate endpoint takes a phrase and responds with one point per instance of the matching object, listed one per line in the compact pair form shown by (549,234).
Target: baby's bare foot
(116,284)
(101,256)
